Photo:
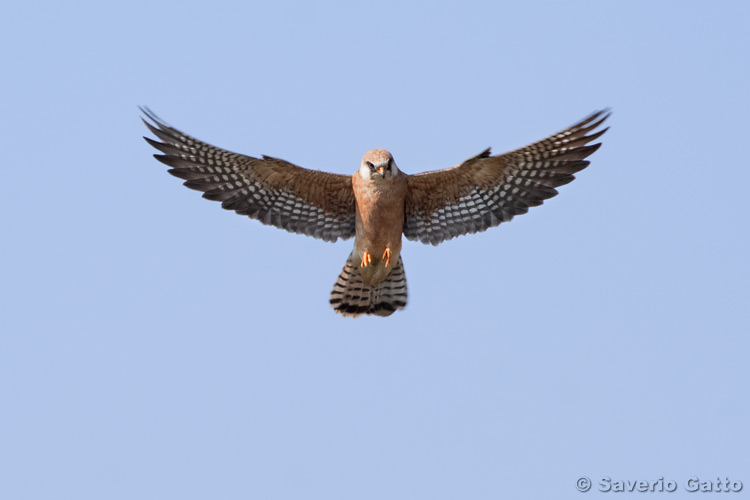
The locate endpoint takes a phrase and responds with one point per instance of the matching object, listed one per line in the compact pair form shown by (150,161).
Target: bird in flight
(379,203)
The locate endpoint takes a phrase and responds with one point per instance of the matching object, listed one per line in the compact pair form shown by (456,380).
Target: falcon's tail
(351,297)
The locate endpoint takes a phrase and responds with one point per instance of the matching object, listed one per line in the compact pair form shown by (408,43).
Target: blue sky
(155,346)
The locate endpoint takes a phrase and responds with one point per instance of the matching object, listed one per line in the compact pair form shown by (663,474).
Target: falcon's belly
(379,225)
(376,271)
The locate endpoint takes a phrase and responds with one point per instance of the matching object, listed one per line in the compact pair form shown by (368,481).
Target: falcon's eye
(372,167)
(389,165)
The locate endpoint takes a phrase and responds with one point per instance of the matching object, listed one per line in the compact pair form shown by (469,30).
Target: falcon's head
(378,166)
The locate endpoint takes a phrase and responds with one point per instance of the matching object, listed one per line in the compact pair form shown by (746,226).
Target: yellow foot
(366,259)
(387,256)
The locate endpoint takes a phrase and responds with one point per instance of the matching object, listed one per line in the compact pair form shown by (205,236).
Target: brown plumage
(379,203)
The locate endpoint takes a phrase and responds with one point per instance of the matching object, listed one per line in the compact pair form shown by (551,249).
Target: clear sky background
(155,346)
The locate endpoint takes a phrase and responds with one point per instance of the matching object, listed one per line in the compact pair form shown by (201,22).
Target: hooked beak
(381,171)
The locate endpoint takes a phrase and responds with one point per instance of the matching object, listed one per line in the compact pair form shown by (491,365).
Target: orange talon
(387,256)
(366,259)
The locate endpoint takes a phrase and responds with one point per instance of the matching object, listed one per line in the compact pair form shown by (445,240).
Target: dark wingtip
(153,117)
(146,112)
(164,159)
(593,137)
(589,150)
(600,121)
(601,116)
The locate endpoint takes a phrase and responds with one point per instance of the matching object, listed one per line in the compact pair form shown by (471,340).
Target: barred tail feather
(351,297)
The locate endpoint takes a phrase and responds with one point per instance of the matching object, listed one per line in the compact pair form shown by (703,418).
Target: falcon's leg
(387,256)
(366,259)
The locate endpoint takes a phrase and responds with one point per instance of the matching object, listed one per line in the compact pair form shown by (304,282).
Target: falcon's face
(378,166)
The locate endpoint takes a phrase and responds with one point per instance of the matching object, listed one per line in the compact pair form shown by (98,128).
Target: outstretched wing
(270,190)
(486,190)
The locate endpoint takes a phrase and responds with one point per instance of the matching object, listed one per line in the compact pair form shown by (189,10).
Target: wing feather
(487,190)
(271,190)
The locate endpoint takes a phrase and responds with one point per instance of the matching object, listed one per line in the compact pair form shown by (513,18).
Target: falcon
(379,203)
